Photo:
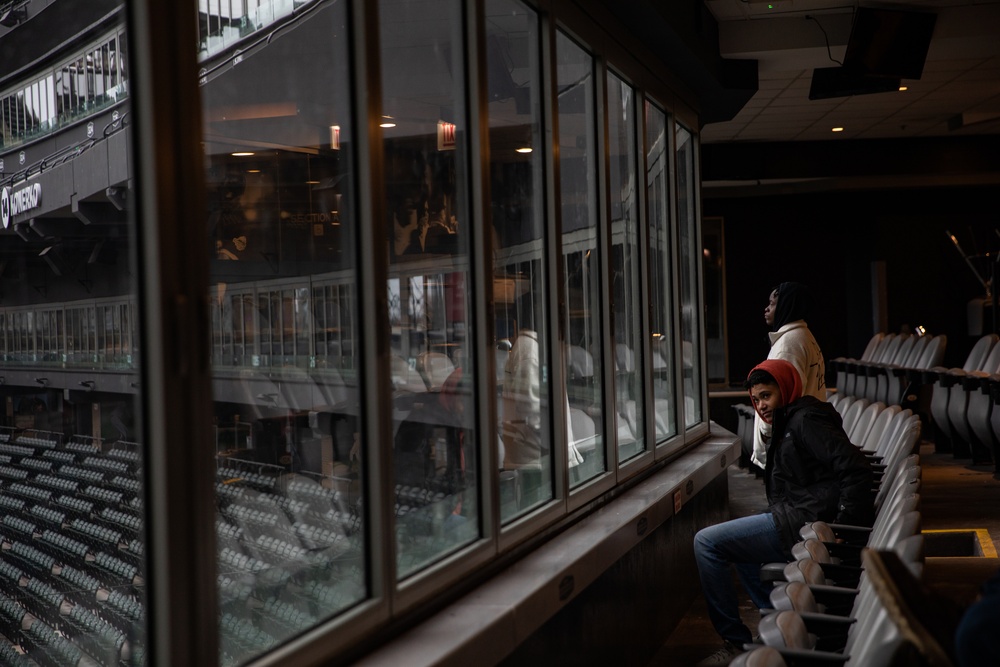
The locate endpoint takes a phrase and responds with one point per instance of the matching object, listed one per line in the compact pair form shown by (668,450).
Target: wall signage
(16,202)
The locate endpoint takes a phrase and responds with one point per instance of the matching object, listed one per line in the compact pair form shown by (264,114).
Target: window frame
(176,343)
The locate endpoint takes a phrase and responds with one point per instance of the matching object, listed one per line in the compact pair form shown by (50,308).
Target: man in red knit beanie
(813,472)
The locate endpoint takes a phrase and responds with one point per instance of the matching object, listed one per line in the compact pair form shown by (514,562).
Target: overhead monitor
(830,82)
(889,42)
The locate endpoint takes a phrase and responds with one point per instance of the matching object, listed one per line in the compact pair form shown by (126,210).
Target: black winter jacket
(814,472)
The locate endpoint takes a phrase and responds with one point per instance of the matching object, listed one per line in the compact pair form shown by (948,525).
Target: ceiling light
(902,88)
(253,171)
(387,125)
(242,154)
(312,182)
(524,149)
(837,129)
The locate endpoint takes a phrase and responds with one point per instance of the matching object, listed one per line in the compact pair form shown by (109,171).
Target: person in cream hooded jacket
(787,309)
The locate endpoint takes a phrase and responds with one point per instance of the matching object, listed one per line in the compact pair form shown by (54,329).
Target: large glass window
(288,439)
(73,571)
(661,263)
(691,262)
(521,270)
(424,129)
(581,251)
(626,309)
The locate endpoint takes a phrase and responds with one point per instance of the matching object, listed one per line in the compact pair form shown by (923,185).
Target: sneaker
(723,656)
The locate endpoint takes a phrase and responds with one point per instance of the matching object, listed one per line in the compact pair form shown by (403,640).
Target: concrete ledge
(489,623)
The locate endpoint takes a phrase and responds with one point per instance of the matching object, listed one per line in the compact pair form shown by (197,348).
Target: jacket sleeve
(830,445)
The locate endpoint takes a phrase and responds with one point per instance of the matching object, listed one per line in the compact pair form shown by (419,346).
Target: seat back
(878,427)
(871,347)
(853,414)
(979,352)
(864,423)
(903,350)
(887,348)
(794,596)
(844,403)
(906,445)
(893,431)
(933,353)
(785,629)
(916,350)
(908,477)
(807,571)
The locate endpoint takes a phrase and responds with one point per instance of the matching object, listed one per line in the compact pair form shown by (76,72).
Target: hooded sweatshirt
(792,341)
(813,470)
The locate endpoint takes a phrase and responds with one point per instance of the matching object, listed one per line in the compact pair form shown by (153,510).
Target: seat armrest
(951,378)
(772,572)
(851,533)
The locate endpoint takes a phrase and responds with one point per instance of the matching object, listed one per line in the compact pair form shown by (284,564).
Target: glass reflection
(424,133)
(690,252)
(581,254)
(73,566)
(660,271)
(280,220)
(520,271)
(625,266)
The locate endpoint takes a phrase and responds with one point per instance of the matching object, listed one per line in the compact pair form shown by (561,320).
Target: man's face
(766,399)
(772,305)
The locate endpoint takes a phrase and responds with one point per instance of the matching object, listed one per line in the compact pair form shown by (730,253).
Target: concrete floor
(954,495)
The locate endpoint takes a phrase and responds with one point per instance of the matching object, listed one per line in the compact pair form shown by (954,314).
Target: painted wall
(830,240)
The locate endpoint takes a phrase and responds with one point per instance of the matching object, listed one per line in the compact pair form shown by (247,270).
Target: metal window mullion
(182,610)
(676,317)
(702,360)
(373,270)
(555,296)
(481,269)
(645,295)
(608,377)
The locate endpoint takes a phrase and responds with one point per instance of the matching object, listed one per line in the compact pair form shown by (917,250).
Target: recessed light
(837,129)
(242,154)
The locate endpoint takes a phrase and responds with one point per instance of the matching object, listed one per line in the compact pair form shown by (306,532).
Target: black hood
(795,303)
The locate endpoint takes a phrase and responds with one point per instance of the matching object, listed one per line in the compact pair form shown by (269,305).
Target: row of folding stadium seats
(834,604)
(962,401)
(70,580)
(890,367)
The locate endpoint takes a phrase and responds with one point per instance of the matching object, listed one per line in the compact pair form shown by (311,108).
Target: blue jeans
(745,543)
